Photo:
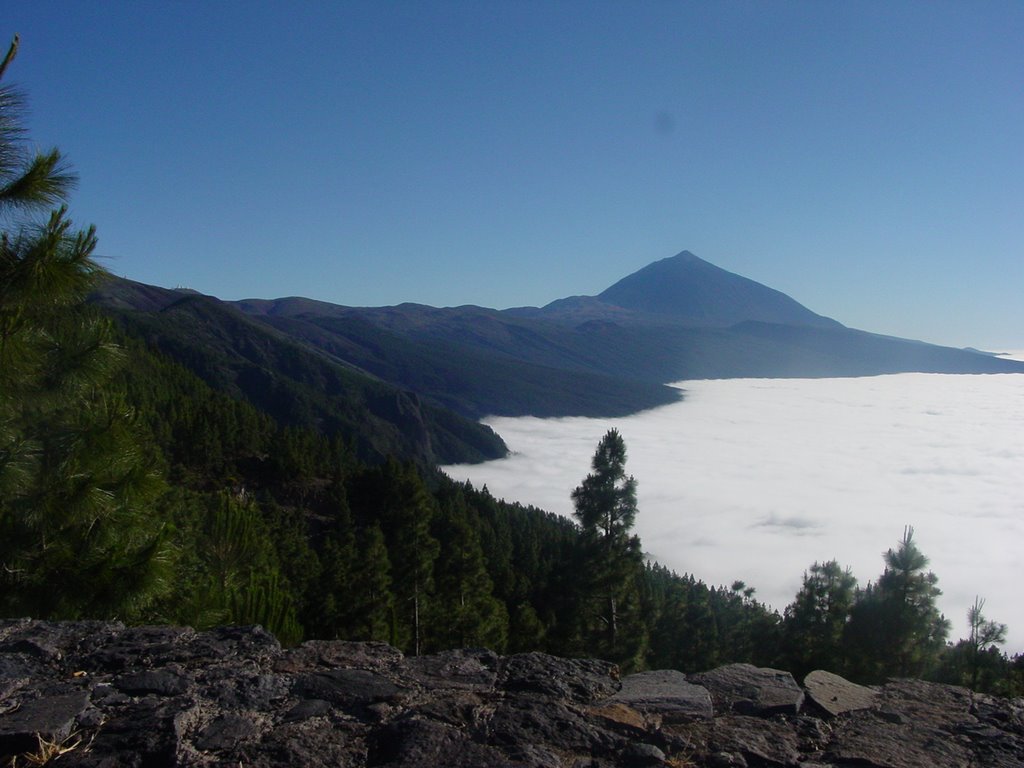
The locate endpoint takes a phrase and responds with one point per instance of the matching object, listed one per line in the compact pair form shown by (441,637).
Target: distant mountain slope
(697,293)
(478,363)
(606,355)
(295,383)
(679,318)
(683,290)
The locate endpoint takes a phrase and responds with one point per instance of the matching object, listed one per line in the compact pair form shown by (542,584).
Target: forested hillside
(285,527)
(296,384)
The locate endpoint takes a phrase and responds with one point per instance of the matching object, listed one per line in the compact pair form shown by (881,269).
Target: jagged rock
(869,740)
(227,732)
(582,680)
(749,690)
(742,740)
(352,690)
(837,695)
(412,742)
(321,741)
(332,654)
(18,670)
(50,717)
(165,696)
(666,692)
(163,682)
(474,669)
(234,689)
(625,719)
(458,708)
(643,755)
(118,648)
(49,641)
(923,724)
(542,720)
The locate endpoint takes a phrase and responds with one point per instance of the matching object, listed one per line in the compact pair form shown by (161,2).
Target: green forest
(133,487)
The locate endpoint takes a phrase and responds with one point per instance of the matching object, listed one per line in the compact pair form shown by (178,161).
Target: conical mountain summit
(697,293)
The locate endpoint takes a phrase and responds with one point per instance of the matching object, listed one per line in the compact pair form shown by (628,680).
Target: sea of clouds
(756,479)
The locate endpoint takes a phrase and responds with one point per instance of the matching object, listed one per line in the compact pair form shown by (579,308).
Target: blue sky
(866,158)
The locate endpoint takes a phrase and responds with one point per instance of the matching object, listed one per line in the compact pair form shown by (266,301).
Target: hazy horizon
(756,479)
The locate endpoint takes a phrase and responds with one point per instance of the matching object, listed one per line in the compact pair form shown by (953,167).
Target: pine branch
(11,53)
(46,182)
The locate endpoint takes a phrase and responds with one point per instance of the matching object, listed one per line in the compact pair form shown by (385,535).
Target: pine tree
(76,538)
(526,630)
(606,509)
(895,627)
(985,634)
(371,602)
(470,615)
(684,634)
(264,601)
(815,621)
(404,509)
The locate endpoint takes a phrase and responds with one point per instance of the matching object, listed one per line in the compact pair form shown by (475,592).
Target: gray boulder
(837,695)
(665,692)
(749,690)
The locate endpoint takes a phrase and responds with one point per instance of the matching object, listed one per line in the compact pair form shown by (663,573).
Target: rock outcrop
(102,694)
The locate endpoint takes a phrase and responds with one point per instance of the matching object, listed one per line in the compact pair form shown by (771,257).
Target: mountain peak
(691,290)
(683,256)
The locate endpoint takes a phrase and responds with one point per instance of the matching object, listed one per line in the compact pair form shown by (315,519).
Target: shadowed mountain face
(600,356)
(296,383)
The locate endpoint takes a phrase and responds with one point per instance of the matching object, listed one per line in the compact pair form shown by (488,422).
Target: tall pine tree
(470,615)
(76,536)
(815,621)
(610,620)
(895,628)
(404,509)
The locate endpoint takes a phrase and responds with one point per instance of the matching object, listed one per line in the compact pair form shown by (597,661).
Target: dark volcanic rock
(667,693)
(51,718)
(163,682)
(742,740)
(413,742)
(837,695)
(749,690)
(582,680)
(332,654)
(470,669)
(113,696)
(537,720)
(869,740)
(352,690)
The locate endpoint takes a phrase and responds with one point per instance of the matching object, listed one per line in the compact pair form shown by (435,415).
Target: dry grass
(48,751)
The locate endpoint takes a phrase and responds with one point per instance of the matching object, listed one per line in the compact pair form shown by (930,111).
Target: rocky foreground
(102,694)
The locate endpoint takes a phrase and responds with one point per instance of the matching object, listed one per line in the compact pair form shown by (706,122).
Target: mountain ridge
(296,383)
(598,356)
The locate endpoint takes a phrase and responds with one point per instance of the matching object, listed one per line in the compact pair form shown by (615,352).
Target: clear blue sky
(865,157)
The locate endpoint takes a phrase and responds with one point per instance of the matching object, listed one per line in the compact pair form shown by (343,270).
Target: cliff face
(101,694)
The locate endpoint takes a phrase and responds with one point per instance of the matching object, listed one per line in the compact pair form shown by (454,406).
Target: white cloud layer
(756,479)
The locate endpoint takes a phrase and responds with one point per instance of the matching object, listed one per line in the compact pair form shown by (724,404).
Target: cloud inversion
(756,479)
